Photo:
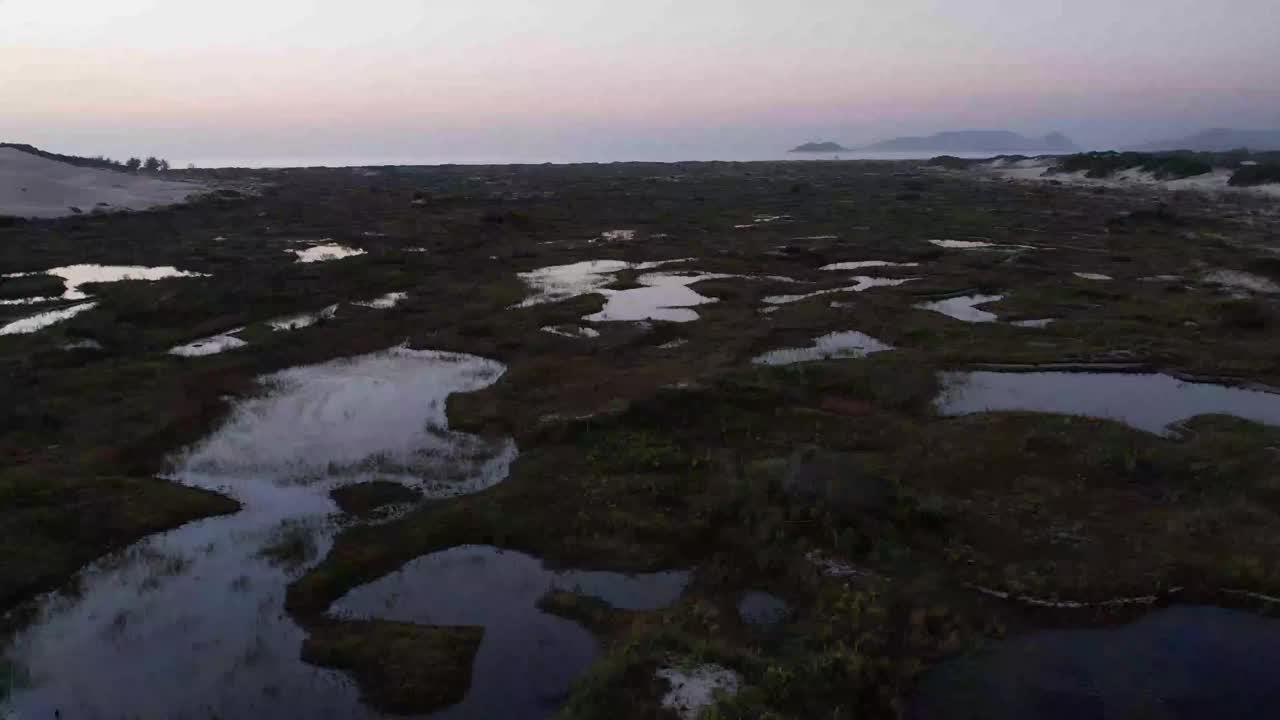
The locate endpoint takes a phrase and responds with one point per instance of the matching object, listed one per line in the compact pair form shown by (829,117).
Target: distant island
(999,141)
(819,147)
(1217,140)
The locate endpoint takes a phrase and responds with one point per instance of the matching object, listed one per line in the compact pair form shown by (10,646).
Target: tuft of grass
(504,294)
(31,286)
(593,613)
(637,451)
(1247,314)
(1269,266)
(55,523)
(293,546)
(366,498)
(400,667)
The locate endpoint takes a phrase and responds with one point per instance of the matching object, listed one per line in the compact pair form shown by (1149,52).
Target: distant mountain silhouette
(1217,140)
(978,141)
(819,147)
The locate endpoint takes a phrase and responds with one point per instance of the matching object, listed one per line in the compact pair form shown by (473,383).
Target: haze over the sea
(329,82)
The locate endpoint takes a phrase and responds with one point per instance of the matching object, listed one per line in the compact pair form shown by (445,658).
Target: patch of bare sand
(35,187)
(1036,170)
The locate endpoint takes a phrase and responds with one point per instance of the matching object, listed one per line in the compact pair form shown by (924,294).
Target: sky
(573,79)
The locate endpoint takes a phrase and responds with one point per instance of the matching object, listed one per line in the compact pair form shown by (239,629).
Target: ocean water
(560,159)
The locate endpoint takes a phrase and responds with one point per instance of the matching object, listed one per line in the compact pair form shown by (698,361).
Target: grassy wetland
(605,448)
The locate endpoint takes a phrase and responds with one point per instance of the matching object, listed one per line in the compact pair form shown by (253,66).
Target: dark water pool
(1181,663)
(191,623)
(528,659)
(1150,402)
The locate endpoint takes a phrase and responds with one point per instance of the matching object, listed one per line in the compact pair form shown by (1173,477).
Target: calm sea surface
(728,156)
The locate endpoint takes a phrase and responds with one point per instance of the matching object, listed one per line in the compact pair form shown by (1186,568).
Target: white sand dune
(35,187)
(1037,169)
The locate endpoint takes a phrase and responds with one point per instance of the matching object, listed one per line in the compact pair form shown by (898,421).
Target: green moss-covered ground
(400,667)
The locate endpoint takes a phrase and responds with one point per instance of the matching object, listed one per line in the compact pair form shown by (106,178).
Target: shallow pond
(863,283)
(329,251)
(572,331)
(384,302)
(74,276)
(562,282)
(759,220)
(228,340)
(861,264)
(191,622)
(617,235)
(1150,402)
(1242,281)
(28,300)
(662,296)
(1182,663)
(828,347)
(962,244)
(528,659)
(210,345)
(303,320)
(39,321)
(978,245)
(762,609)
(964,308)
(1039,323)
(78,275)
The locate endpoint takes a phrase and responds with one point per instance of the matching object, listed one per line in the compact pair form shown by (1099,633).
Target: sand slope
(36,187)
(1036,169)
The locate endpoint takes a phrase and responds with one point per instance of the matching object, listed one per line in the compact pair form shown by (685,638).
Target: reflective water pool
(1150,402)
(831,346)
(528,659)
(1182,663)
(191,622)
(39,321)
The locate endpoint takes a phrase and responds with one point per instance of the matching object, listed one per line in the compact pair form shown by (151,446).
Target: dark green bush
(31,286)
(1250,175)
(1098,164)
(1245,315)
(1174,167)
(950,162)
(1165,166)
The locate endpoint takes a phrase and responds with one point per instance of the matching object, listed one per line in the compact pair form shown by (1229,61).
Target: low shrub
(1251,175)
